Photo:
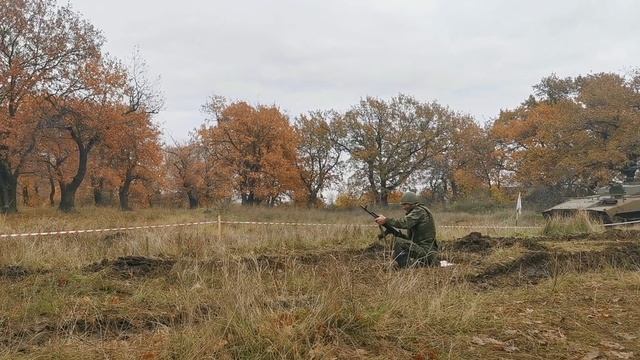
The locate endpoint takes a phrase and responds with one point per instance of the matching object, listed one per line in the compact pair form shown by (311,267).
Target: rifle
(388,229)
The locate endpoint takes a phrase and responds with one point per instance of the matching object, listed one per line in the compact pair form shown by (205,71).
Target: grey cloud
(475,56)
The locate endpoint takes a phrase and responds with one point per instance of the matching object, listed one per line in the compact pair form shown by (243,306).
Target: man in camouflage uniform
(419,246)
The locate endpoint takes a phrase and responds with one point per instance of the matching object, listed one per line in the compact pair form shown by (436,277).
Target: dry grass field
(316,292)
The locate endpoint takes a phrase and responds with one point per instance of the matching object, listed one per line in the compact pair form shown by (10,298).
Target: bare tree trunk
(52,191)
(123,194)
(455,191)
(4,197)
(312,200)
(383,195)
(383,199)
(8,190)
(194,203)
(68,191)
(99,197)
(67,197)
(250,199)
(25,195)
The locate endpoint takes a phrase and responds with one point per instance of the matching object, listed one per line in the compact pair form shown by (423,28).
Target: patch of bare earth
(14,272)
(538,262)
(133,266)
(105,326)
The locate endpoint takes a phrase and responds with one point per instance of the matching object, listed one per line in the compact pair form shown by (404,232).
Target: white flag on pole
(519,205)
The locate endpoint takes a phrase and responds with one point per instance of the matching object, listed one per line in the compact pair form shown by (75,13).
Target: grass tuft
(580,223)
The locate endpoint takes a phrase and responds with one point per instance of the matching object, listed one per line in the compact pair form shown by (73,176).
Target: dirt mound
(133,266)
(105,326)
(534,266)
(608,235)
(529,268)
(281,262)
(14,272)
(475,242)
(625,256)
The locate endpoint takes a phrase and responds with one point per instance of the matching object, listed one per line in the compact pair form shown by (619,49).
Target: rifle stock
(388,228)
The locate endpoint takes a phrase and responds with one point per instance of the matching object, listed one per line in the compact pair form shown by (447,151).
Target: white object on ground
(445,263)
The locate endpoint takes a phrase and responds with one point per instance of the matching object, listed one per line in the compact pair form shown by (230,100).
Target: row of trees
(73,119)
(568,138)
(575,134)
(375,148)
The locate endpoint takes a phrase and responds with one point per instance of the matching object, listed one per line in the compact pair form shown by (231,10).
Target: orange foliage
(186,170)
(258,146)
(136,154)
(579,140)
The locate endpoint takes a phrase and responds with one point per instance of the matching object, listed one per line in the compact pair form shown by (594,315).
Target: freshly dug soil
(14,272)
(534,266)
(280,262)
(475,242)
(133,266)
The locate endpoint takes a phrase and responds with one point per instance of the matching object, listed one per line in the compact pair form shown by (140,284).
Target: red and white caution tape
(88,231)
(66,232)
(488,227)
(288,223)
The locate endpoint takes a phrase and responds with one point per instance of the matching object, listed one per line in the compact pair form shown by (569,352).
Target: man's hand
(381,220)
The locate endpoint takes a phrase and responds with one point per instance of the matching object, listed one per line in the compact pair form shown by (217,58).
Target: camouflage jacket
(421,228)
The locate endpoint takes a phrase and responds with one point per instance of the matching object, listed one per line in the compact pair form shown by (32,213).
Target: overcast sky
(475,56)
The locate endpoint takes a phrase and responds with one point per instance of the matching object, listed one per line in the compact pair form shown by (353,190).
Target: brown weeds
(308,293)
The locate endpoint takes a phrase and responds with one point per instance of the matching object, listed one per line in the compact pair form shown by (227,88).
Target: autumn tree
(610,122)
(319,154)
(186,168)
(257,145)
(85,119)
(389,141)
(130,152)
(135,155)
(142,92)
(102,174)
(479,165)
(43,173)
(579,133)
(56,152)
(18,136)
(41,45)
(216,184)
(194,173)
(466,165)
(137,151)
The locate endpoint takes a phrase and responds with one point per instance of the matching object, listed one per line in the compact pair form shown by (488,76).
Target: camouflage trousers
(407,253)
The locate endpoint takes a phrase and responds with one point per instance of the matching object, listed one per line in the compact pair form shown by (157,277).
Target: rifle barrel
(389,228)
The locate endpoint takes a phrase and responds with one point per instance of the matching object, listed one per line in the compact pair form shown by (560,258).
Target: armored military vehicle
(617,203)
